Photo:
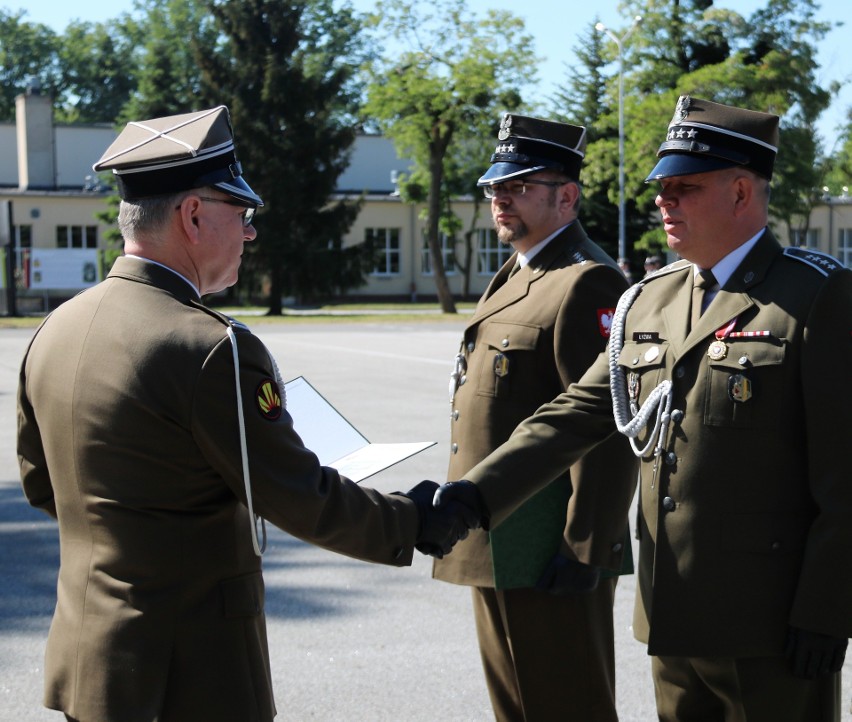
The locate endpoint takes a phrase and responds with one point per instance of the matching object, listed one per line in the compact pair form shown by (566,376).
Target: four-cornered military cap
(705,136)
(529,145)
(177,153)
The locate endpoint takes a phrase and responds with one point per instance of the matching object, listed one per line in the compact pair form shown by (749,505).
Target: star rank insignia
(268,399)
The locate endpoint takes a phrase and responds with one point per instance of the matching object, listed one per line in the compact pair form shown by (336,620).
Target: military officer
(727,370)
(537,597)
(153,429)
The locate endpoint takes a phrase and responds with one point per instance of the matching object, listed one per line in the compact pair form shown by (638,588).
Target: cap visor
(238,188)
(686,164)
(504,171)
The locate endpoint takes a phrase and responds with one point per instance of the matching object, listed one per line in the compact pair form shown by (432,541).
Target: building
(55,244)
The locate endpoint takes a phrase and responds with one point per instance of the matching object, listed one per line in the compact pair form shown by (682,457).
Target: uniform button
(677,416)
(504,343)
(462,380)
(470,346)
(617,547)
(455,448)
(635,360)
(679,372)
(743,361)
(671,458)
(455,414)
(669,504)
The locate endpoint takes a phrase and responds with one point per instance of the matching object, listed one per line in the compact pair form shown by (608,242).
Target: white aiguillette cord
(631,422)
(258,548)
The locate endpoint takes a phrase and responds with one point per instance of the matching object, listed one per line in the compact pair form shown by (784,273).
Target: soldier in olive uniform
(729,371)
(151,428)
(537,596)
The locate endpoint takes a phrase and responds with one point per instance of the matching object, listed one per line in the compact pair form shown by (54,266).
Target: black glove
(568,576)
(440,529)
(812,654)
(464,493)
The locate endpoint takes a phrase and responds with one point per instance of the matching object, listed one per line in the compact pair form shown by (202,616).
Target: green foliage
(28,51)
(688,47)
(439,93)
(286,71)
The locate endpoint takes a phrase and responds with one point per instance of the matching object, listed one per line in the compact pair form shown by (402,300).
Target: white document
(335,441)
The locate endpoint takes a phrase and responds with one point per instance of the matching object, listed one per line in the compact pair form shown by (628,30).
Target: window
(76,236)
(805,239)
(491,254)
(447,256)
(844,246)
(385,243)
(23,236)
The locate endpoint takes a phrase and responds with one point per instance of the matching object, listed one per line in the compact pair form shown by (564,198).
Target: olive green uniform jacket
(129,436)
(528,339)
(745,517)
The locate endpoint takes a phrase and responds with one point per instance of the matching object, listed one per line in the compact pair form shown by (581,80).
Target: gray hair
(147,216)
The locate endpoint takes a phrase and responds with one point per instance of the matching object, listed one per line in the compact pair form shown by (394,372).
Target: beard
(508,235)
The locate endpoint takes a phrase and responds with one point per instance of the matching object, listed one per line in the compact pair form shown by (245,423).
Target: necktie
(702,281)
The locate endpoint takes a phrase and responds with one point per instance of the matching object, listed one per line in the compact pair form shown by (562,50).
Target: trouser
(548,657)
(748,689)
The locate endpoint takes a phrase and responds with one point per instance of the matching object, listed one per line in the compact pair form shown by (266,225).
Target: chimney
(34,124)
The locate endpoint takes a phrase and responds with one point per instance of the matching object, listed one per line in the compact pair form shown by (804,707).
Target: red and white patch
(605,320)
(268,399)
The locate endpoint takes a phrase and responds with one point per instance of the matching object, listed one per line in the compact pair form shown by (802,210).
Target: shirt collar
(725,268)
(527,256)
(157,263)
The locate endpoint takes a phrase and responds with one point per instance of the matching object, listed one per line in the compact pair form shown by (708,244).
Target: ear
(744,192)
(569,193)
(189,218)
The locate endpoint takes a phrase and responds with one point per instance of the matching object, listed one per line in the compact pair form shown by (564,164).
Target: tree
(287,70)
(582,100)
(452,76)
(765,63)
(28,55)
(99,70)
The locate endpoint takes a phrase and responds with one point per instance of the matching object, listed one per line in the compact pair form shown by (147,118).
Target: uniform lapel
(503,292)
(730,302)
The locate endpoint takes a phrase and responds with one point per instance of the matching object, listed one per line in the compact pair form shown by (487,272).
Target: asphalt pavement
(349,641)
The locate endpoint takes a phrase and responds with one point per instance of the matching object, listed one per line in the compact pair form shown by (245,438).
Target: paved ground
(350,641)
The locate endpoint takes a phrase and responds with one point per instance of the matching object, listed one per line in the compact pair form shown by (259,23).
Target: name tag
(646,336)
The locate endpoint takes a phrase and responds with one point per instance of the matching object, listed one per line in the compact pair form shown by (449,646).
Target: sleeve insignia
(269,399)
(605,320)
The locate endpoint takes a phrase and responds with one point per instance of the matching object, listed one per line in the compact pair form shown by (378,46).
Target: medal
(718,350)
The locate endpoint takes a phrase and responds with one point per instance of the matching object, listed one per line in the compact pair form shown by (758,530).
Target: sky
(555,25)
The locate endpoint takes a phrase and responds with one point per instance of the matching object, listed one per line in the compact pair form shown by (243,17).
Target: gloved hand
(812,654)
(465,493)
(564,575)
(440,529)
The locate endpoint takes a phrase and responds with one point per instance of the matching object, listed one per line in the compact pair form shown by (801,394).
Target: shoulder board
(227,320)
(821,262)
(678,265)
(579,255)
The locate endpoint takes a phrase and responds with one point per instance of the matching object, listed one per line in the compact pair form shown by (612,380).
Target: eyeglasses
(517,187)
(247,216)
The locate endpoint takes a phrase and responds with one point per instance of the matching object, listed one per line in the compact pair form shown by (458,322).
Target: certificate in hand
(337,443)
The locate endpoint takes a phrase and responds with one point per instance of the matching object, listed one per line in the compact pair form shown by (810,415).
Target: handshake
(447,513)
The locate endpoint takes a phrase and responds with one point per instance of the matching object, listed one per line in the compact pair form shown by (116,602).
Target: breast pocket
(643,365)
(509,358)
(746,387)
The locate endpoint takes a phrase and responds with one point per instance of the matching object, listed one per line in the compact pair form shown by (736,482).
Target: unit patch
(605,320)
(268,399)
